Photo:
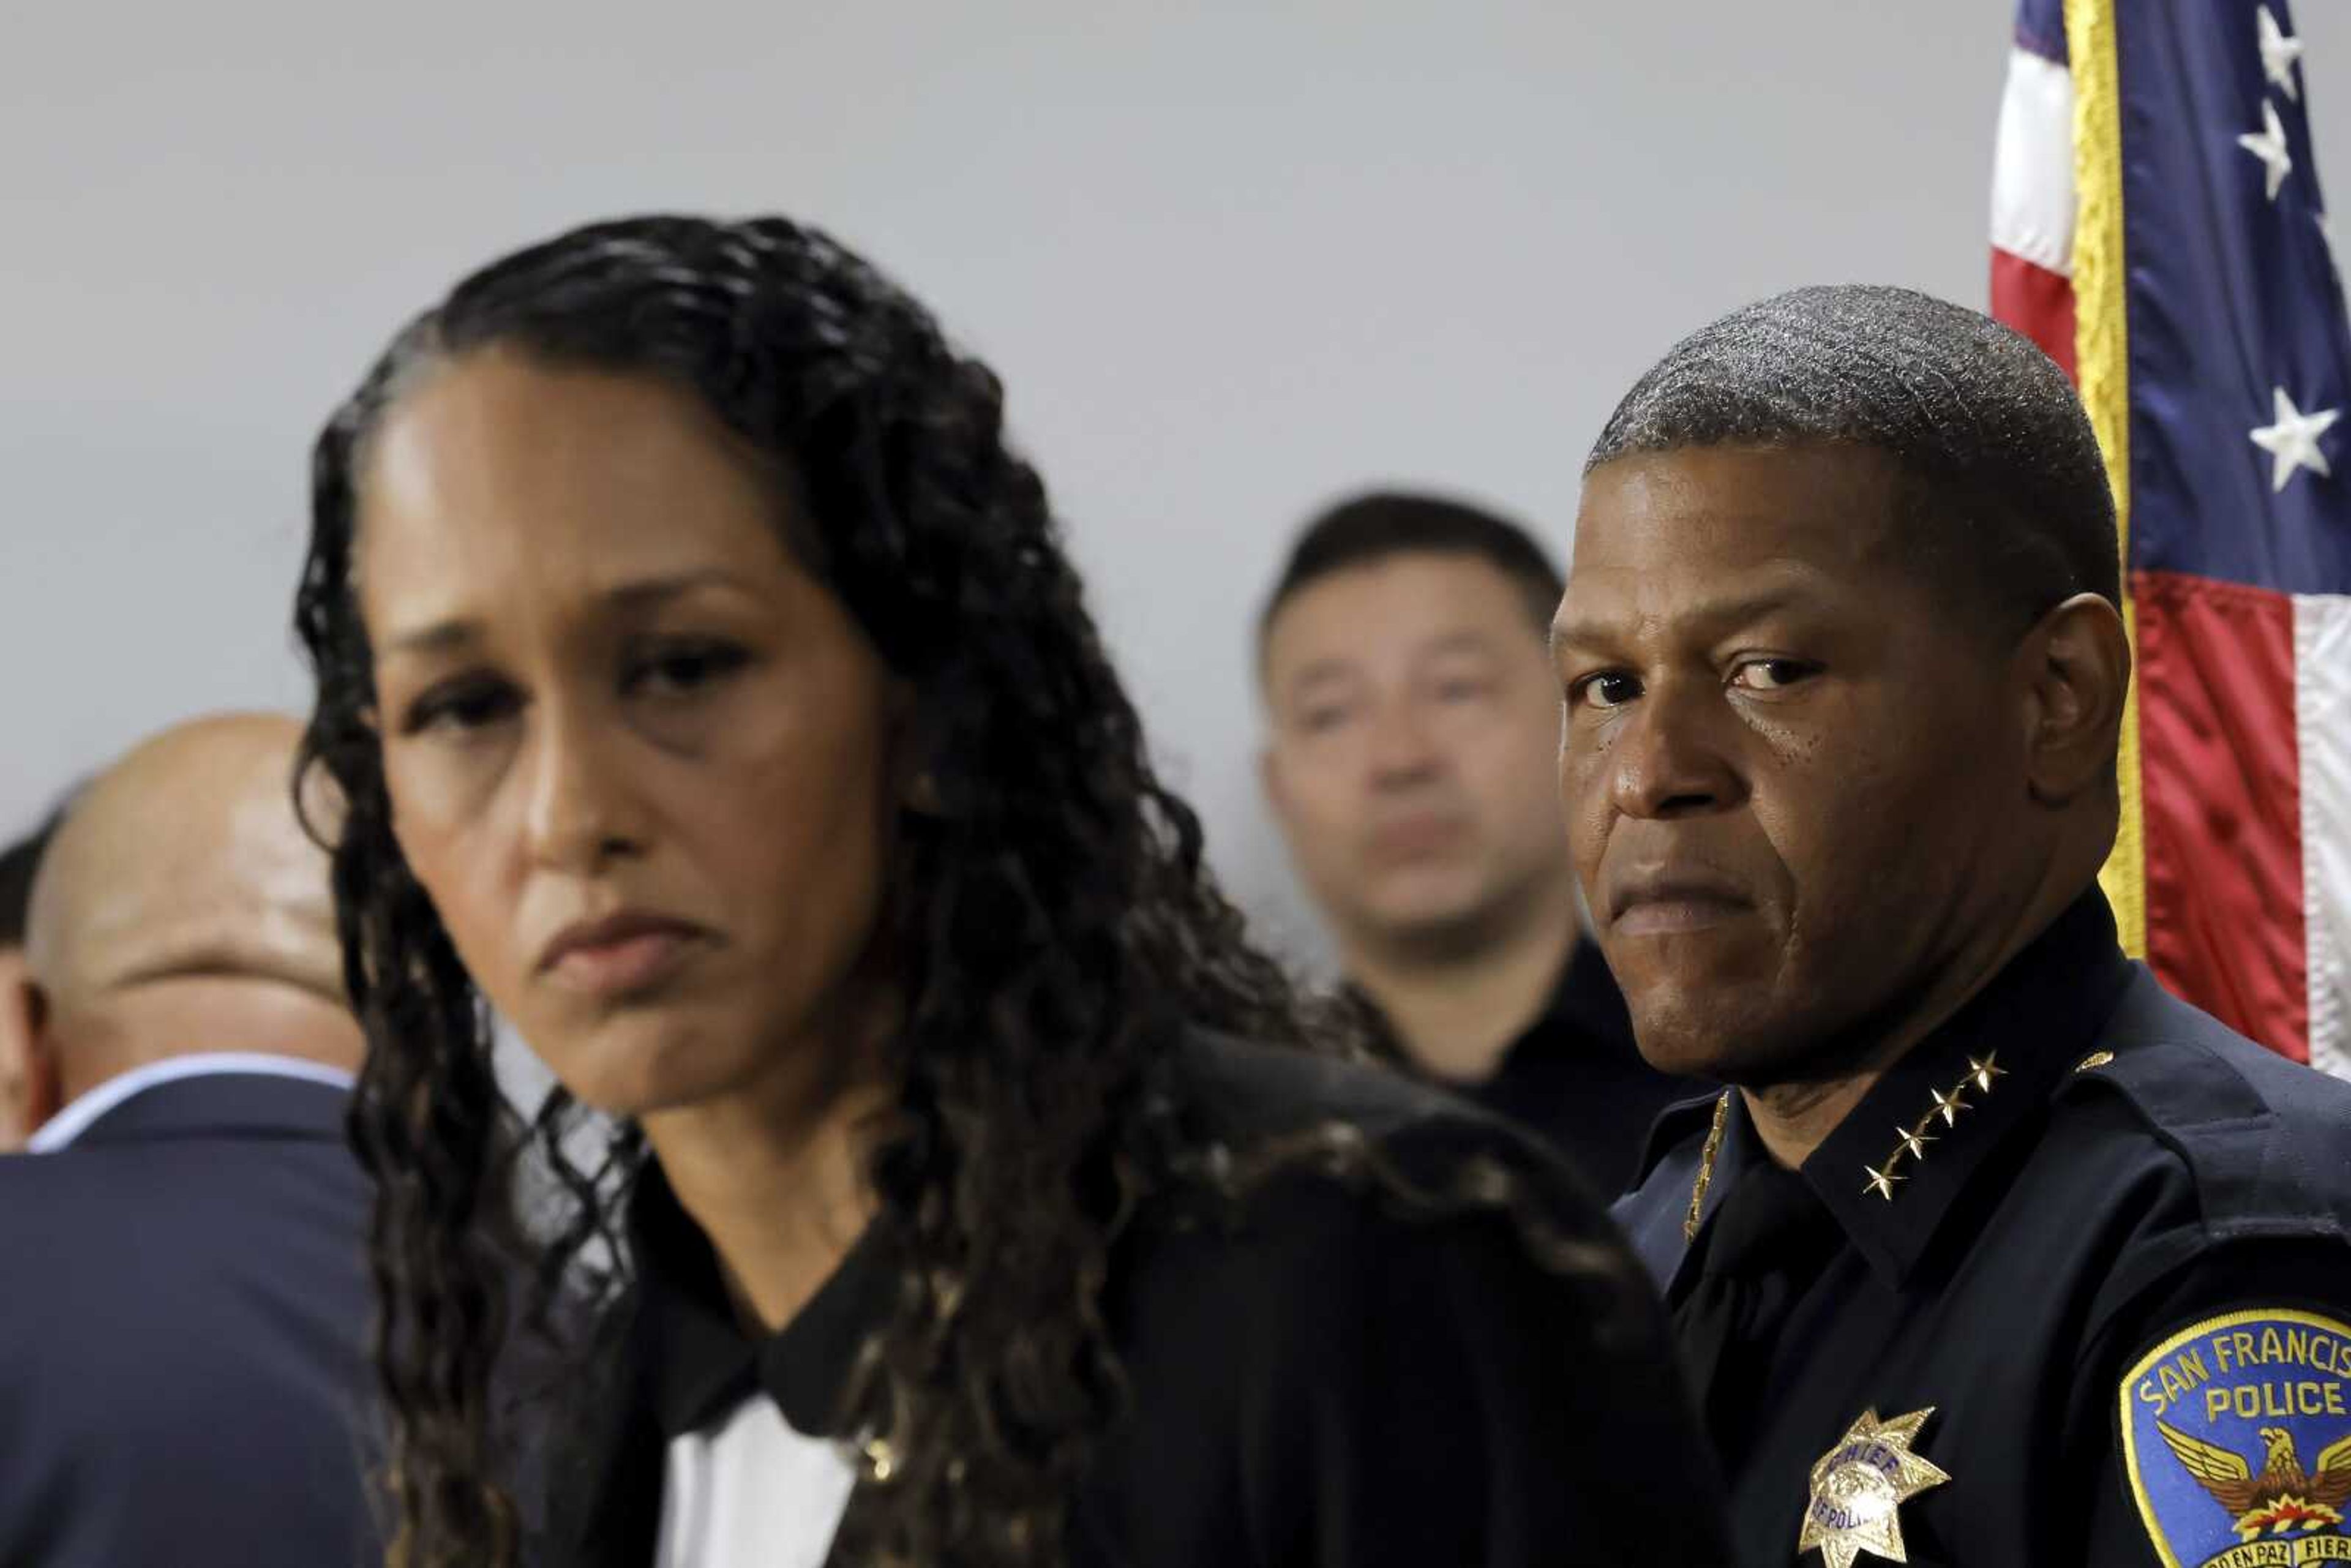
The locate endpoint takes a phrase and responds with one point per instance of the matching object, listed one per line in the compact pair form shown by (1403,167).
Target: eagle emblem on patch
(2237,1441)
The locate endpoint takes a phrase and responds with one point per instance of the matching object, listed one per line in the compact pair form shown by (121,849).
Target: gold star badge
(1950,1105)
(1859,1486)
(1984,1072)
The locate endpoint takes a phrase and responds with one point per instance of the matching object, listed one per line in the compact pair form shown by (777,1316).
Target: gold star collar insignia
(1910,1143)
(1859,1486)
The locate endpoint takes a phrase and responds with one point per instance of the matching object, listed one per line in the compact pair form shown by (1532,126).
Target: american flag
(2156,227)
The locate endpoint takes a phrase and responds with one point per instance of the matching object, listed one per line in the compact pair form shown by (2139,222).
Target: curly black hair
(1054,920)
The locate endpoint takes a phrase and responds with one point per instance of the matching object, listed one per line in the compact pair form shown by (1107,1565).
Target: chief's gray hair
(2003,470)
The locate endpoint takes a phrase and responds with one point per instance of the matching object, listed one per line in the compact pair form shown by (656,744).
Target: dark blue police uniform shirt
(2116,1282)
(1572,1076)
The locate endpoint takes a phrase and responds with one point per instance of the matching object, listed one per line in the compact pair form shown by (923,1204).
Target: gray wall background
(1230,259)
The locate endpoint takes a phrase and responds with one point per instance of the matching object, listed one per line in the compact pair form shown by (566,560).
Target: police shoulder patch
(2237,1440)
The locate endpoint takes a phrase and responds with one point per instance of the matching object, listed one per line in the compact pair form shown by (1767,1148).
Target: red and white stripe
(2322,711)
(2032,205)
(2220,790)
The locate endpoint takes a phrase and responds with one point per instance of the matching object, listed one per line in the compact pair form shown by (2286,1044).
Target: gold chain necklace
(1706,1168)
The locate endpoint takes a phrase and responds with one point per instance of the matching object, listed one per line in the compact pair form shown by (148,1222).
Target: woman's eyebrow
(455,632)
(645,592)
(436,637)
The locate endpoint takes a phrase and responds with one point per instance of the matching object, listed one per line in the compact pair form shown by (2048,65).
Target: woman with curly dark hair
(944,1179)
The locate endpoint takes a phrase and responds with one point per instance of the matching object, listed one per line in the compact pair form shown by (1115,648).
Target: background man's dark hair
(1371,527)
(19,863)
(2006,479)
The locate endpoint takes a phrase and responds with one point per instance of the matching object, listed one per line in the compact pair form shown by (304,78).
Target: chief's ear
(2076,665)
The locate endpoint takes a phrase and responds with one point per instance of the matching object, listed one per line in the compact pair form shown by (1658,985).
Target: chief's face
(1414,724)
(640,757)
(1792,776)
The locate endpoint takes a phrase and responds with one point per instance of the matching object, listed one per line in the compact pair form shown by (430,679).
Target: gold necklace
(1706,1168)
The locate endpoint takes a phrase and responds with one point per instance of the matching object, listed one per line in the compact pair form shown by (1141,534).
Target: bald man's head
(184,858)
(180,908)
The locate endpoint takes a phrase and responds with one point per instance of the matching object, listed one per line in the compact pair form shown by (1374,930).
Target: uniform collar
(1676,1128)
(1967,1089)
(701,1364)
(2031,1024)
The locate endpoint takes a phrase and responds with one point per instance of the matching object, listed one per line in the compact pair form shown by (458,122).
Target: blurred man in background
(1412,758)
(182,1332)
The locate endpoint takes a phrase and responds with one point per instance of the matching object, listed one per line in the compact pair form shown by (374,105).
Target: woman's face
(640,758)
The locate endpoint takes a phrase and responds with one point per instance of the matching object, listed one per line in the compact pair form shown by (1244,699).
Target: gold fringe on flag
(2102,363)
